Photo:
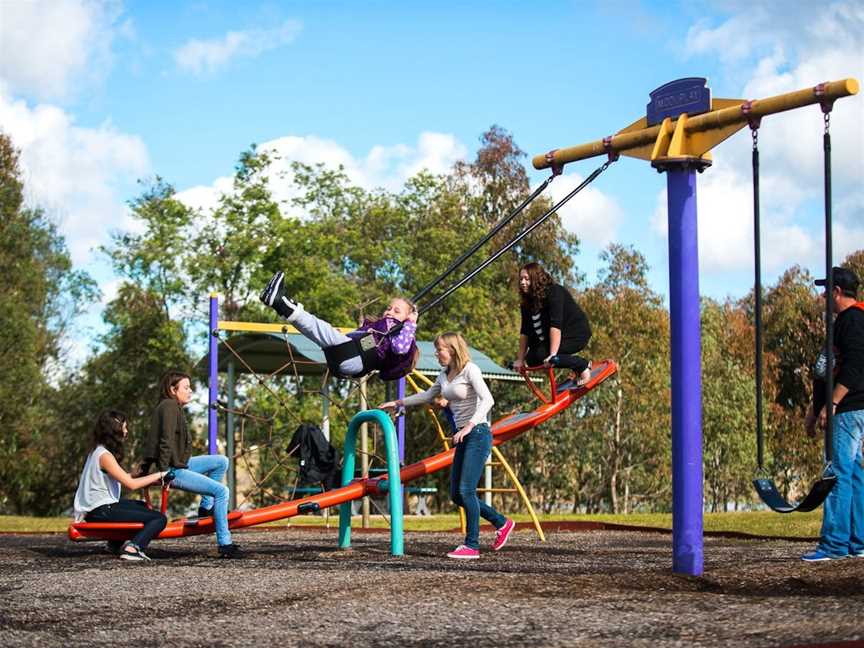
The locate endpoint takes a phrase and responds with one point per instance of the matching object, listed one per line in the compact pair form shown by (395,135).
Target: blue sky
(97,95)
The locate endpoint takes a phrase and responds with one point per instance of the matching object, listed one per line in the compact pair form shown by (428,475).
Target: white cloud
(385,167)
(78,175)
(802,44)
(590,214)
(725,223)
(47,49)
(733,40)
(787,47)
(206,56)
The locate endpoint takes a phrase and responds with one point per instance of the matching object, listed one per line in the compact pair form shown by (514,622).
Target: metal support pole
(396,516)
(400,423)
(364,450)
(229,437)
(400,429)
(686,371)
(487,481)
(325,409)
(213,379)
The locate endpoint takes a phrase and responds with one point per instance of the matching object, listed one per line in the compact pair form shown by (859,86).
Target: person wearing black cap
(842,531)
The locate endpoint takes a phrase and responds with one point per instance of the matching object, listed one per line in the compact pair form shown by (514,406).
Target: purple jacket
(396,353)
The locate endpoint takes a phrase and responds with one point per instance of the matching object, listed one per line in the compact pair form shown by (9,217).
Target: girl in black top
(554,327)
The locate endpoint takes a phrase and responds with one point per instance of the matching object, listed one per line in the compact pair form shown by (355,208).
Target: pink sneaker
(503,535)
(464,553)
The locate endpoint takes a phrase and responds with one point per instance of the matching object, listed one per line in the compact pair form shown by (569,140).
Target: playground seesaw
(559,398)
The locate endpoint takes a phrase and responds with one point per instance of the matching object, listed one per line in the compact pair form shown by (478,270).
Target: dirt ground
(295,588)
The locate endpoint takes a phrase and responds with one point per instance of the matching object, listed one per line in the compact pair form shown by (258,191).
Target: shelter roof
(266,353)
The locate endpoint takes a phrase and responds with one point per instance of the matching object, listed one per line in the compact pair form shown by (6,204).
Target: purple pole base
(687,556)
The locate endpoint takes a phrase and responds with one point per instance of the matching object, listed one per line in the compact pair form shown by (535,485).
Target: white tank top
(95,487)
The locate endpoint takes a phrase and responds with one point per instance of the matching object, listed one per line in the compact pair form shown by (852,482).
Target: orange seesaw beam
(503,430)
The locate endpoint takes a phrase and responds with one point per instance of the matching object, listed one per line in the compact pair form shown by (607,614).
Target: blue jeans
(204,476)
(468,465)
(843,513)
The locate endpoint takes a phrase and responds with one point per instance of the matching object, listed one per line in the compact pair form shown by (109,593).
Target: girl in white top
(461,383)
(98,496)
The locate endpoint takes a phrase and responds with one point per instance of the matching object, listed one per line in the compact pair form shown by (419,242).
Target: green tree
(728,405)
(793,332)
(631,325)
(39,297)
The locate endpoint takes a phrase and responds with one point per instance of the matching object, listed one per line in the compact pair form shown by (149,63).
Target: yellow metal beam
(522,494)
(261,327)
(702,132)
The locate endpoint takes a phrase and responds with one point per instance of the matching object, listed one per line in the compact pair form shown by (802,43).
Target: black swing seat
(774,500)
(364,346)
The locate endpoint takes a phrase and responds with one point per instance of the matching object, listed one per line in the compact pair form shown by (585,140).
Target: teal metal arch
(393,483)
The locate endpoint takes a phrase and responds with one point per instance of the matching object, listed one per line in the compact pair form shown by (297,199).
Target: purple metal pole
(213,381)
(400,430)
(686,371)
(400,424)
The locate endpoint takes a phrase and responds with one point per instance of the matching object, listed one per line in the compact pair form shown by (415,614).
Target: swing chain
(827,117)
(754,133)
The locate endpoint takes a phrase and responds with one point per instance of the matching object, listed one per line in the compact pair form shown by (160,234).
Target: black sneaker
(133,553)
(204,512)
(268,295)
(275,297)
(230,551)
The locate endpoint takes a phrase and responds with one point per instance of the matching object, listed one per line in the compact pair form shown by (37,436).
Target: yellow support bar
(701,132)
(262,327)
(518,485)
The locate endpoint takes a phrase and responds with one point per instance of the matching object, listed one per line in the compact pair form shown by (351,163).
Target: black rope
(525,232)
(497,228)
(757,291)
(829,300)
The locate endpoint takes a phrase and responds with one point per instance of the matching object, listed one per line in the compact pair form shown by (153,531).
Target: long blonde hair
(458,348)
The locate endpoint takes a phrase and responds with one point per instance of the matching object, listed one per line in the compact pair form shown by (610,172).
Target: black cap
(844,279)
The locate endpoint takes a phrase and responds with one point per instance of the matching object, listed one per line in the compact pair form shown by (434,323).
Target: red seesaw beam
(503,430)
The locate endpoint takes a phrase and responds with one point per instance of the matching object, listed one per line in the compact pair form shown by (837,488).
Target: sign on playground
(691,95)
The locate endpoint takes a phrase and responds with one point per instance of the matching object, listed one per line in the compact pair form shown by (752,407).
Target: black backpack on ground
(319,461)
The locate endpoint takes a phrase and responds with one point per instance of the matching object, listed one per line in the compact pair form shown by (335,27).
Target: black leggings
(565,358)
(131,511)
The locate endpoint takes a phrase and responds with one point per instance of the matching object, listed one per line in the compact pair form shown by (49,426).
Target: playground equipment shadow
(295,588)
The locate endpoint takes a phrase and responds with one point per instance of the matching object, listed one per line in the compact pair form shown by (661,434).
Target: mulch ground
(295,588)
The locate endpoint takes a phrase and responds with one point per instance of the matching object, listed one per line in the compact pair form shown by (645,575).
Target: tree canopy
(345,251)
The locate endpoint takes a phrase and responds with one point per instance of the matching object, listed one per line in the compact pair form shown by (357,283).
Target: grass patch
(764,523)
(25,524)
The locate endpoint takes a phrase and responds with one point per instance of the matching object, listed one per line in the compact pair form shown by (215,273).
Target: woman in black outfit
(554,327)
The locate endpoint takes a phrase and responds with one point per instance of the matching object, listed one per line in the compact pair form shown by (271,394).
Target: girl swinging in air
(386,345)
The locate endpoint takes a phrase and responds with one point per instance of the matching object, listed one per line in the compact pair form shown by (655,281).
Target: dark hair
(540,281)
(108,432)
(169,381)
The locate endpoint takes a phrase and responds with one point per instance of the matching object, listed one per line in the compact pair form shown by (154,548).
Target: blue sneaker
(857,554)
(818,555)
